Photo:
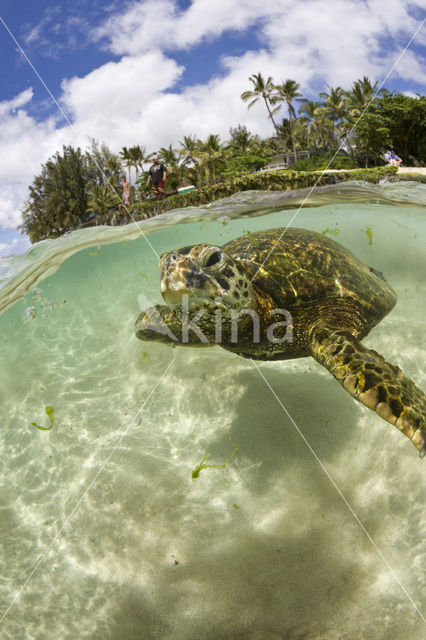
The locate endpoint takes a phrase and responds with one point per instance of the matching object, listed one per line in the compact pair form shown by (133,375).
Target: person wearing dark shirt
(157,175)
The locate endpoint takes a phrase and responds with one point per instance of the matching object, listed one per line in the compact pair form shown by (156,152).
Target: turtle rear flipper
(371,380)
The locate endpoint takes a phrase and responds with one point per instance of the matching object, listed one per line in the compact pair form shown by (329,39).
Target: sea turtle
(287,293)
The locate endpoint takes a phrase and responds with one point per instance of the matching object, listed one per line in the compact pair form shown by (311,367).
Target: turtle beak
(173,286)
(174,297)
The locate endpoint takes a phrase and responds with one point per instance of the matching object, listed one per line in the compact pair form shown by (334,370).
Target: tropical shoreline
(287,180)
(351,129)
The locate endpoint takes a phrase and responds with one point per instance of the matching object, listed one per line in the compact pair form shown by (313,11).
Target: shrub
(319,161)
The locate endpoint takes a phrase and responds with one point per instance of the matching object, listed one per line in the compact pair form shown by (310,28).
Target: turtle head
(208,276)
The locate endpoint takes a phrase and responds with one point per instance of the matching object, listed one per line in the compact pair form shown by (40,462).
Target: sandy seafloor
(104,535)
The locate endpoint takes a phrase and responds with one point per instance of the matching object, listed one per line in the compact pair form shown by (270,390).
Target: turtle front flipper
(371,380)
(160,324)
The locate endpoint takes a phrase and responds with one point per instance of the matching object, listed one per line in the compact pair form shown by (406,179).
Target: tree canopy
(73,187)
(58,196)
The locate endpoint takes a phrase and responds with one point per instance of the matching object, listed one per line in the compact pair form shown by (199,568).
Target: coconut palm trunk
(286,92)
(270,114)
(293,142)
(264,88)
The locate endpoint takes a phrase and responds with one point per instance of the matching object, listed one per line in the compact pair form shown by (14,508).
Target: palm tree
(240,138)
(285,133)
(113,170)
(359,98)
(211,151)
(137,156)
(336,106)
(172,160)
(317,122)
(127,159)
(189,146)
(286,92)
(261,89)
(308,113)
(362,93)
(101,199)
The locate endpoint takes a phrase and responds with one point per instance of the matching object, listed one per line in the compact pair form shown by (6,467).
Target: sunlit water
(129,546)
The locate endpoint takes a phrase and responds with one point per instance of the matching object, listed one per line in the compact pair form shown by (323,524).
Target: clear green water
(128,545)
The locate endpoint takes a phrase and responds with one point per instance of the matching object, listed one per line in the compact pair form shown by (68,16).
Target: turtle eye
(212,258)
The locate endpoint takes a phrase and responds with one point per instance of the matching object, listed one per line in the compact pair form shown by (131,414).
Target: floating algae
(253,238)
(221,467)
(369,234)
(331,232)
(49,411)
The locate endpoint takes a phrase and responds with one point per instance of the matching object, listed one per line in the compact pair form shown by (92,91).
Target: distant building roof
(287,157)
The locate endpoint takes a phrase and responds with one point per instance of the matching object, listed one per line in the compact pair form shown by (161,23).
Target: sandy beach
(421,170)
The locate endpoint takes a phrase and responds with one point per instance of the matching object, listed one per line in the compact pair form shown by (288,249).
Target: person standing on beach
(126,191)
(157,174)
(394,160)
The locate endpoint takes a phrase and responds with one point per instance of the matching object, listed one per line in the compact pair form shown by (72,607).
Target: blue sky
(149,72)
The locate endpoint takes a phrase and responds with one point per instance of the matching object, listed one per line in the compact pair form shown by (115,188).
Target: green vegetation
(57,196)
(263,181)
(261,89)
(369,234)
(71,189)
(221,467)
(287,92)
(405,119)
(341,130)
(325,160)
(413,177)
(49,411)
(330,232)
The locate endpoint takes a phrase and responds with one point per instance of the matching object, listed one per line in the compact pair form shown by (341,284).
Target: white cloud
(110,102)
(17,245)
(25,144)
(411,68)
(146,25)
(124,102)
(9,106)
(132,101)
(142,26)
(12,197)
